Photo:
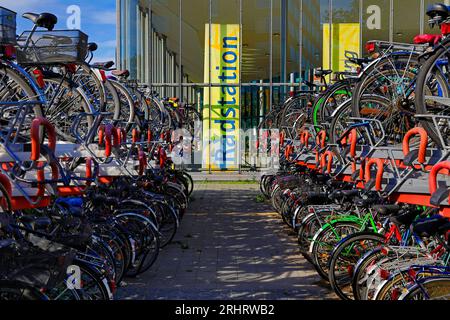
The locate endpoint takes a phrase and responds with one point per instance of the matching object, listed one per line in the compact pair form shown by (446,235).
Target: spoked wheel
(324,241)
(434,288)
(392,78)
(16,93)
(168,225)
(344,258)
(341,120)
(433,94)
(145,240)
(67,100)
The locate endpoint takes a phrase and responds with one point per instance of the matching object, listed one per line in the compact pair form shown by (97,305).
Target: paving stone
(237,249)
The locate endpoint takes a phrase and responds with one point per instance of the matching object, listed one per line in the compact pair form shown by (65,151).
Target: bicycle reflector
(103,75)
(8,51)
(39,77)
(445,29)
(384,274)
(370,47)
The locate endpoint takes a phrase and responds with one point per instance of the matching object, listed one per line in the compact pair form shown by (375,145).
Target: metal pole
(300,43)
(283,41)
(361,22)
(330,51)
(180,64)
(240,86)
(210,86)
(271,55)
(391,21)
(422,16)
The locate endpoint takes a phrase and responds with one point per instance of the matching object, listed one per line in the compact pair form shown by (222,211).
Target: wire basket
(52,47)
(7,26)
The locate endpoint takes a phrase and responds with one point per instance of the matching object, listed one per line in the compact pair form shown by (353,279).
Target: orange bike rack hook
(352,138)
(379,163)
(433,175)
(35,137)
(423,143)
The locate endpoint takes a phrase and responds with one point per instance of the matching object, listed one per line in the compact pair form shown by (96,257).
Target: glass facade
(163,42)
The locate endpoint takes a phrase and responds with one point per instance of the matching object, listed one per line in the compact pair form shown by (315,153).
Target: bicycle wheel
(14,88)
(433,93)
(93,88)
(146,241)
(361,273)
(341,119)
(393,77)
(93,285)
(67,100)
(127,108)
(344,258)
(329,101)
(324,241)
(434,288)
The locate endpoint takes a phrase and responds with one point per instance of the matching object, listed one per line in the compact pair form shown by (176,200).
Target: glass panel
(166,23)
(195,20)
(406,20)
(315,14)
(255,60)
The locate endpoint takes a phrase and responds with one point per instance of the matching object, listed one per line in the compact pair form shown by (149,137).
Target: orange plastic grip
(282,138)
(351,137)
(40,175)
(379,163)
(327,161)
(304,138)
(136,135)
(142,162)
(321,139)
(423,143)
(288,152)
(35,137)
(110,135)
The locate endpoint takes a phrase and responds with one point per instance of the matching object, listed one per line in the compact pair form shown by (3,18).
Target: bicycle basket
(52,47)
(7,26)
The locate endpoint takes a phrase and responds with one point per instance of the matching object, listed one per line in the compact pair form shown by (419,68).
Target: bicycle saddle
(431,39)
(36,222)
(317,197)
(404,217)
(360,61)
(366,202)
(92,46)
(386,209)
(103,65)
(121,73)
(322,73)
(344,194)
(431,226)
(100,200)
(438,9)
(43,20)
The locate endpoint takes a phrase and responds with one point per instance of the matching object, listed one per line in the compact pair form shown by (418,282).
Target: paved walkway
(228,247)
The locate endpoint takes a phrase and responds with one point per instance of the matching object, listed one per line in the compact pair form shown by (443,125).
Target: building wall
(149,39)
